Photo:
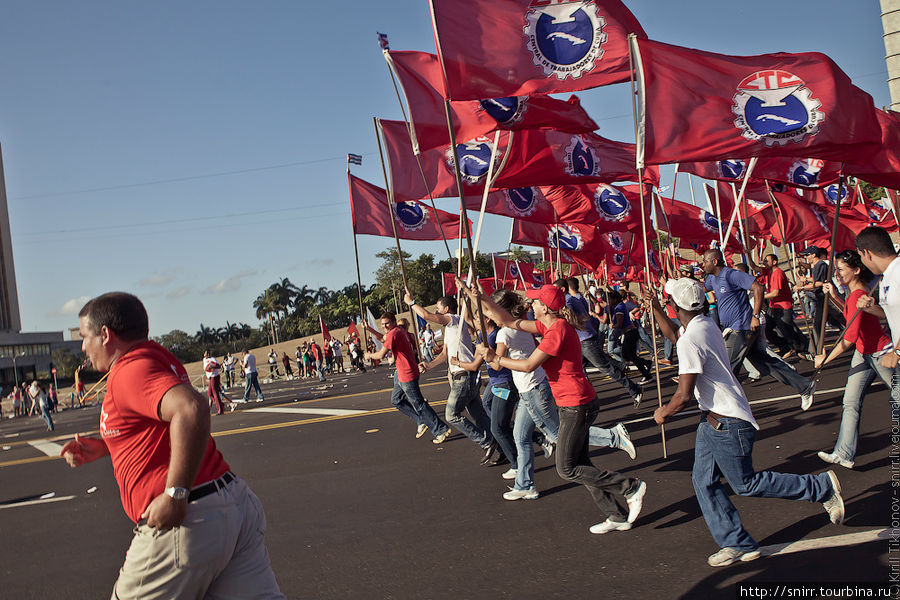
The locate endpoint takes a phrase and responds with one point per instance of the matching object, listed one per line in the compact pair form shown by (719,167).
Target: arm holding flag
(500,316)
(442,320)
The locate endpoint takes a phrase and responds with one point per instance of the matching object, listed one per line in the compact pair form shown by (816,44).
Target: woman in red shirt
(868,337)
(618,496)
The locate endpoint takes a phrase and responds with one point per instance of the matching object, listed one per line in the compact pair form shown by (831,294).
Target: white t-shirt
(521,345)
(701,350)
(250,363)
(336,348)
(229,362)
(211,366)
(452,335)
(428,338)
(889,297)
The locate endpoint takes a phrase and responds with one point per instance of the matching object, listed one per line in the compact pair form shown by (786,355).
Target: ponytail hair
(576,321)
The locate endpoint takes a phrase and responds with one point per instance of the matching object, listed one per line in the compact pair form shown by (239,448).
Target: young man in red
(407,397)
(780,316)
(199,527)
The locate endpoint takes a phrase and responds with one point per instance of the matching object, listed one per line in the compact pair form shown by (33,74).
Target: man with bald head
(740,324)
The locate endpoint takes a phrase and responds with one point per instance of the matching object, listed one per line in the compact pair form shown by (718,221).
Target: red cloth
(326,335)
(884,168)
(137,439)
(569,384)
(799,172)
(777,280)
(397,341)
(702,106)
(422,82)
(495,48)
(609,207)
(449,284)
(866,331)
(415,220)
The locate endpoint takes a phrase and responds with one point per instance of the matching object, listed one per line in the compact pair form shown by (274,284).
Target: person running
(591,342)
(211,368)
(625,329)
(229,362)
(727,429)
(252,376)
(741,325)
(780,326)
(866,335)
(407,396)
(619,497)
(463,388)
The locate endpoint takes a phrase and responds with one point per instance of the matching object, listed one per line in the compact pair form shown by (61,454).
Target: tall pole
(362,312)
(834,232)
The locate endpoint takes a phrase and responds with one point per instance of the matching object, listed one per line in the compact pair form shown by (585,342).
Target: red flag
(801,221)
(582,243)
(422,82)
(526,203)
(608,207)
(352,330)
(513,272)
(415,221)
(693,225)
(701,106)
(827,197)
(495,48)
(884,168)
(449,284)
(537,157)
(326,335)
(799,172)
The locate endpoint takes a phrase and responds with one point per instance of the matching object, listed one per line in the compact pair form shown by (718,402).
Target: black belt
(206,489)
(460,374)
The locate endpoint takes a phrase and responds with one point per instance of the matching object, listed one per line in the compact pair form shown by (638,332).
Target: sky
(193,153)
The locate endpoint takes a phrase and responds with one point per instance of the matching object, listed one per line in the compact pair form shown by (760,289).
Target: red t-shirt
(569,384)
(777,281)
(137,439)
(866,331)
(397,341)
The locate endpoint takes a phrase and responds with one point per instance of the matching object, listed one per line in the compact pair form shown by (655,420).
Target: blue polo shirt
(578,305)
(730,288)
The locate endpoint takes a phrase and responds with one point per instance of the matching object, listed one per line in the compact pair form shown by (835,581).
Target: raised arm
(499,315)
(442,320)
(662,319)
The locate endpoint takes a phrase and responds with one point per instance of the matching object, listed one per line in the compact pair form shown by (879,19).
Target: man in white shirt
(463,389)
(727,429)
(877,252)
(252,377)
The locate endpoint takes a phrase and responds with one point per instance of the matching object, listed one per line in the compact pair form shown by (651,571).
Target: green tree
(66,361)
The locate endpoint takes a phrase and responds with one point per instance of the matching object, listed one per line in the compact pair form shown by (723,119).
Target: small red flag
(326,335)
(352,330)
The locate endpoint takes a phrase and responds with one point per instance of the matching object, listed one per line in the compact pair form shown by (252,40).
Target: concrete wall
(890,21)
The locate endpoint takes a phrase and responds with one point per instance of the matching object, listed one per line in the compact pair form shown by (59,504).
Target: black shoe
(500,460)
(489,452)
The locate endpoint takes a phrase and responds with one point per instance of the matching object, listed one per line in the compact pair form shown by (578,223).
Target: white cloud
(71,307)
(159,279)
(182,291)
(230,284)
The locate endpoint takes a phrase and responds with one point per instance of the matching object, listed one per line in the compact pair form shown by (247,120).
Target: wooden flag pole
(834,231)
(737,201)
(362,314)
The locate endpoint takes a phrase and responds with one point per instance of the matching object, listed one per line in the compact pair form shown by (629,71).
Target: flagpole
(718,211)
(558,250)
(745,239)
(632,39)
(362,314)
(834,232)
(691,183)
(737,201)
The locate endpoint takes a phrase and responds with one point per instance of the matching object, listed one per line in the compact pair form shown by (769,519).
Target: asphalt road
(357,507)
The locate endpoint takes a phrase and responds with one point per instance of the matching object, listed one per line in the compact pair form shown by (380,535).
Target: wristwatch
(897,351)
(177,493)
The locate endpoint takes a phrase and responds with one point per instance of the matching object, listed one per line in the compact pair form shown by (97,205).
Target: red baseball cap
(551,296)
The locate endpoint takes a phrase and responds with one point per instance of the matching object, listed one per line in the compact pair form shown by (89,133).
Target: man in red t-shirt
(406,396)
(781,330)
(199,527)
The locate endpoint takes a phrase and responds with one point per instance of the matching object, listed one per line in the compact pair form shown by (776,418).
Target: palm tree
(266,304)
(206,335)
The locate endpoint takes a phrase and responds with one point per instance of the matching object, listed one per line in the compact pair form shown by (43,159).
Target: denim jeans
(45,414)
(252,381)
(752,346)
(319,370)
(573,462)
(782,321)
(229,377)
(728,452)
(630,351)
(593,352)
(407,398)
(614,345)
(464,396)
(644,338)
(863,370)
(523,429)
(668,346)
(502,410)
(539,403)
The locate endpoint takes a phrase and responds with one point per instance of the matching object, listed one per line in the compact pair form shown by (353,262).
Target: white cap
(687,293)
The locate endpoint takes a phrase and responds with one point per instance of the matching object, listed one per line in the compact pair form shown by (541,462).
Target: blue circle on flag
(582,160)
(474,159)
(567,42)
(803,176)
(410,214)
(791,115)
(501,110)
(568,240)
(732,169)
(513,270)
(710,220)
(612,202)
(831,192)
(521,198)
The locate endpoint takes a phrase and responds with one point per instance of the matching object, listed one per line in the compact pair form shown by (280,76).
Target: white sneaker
(441,438)
(529,494)
(806,398)
(833,458)
(509,474)
(834,506)
(607,526)
(727,556)
(636,502)
(420,430)
(625,443)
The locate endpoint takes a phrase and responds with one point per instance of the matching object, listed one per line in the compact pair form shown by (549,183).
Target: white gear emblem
(410,215)
(776,107)
(569,238)
(564,38)
(709,221)
(580,158)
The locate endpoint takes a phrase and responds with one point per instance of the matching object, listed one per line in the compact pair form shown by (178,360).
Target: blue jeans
(669,347)
(539,403)
(45,414)
(593,352)
(614,345)
(502,410)
(728,452)
(523,428)
(863,370)
(407,398)
(464,396)
(319,370)
(252,381)
(752,346)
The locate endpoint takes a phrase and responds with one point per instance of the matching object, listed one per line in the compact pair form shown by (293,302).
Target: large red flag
(526,203)
(415,221)
(608,207)
(422,82)
(495,48)
(513,271)
(352,330)
(694,225)
(800,220)
(701,106)
(326,335)
(449,284)
(799,172)
(884,168)
(537,157)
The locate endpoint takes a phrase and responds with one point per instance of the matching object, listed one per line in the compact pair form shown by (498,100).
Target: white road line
(31,502)
(48,448)
(289,410)
(834,541)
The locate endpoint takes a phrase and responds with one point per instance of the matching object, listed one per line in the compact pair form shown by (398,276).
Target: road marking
(309,411)
(47,447)
(32,502)
(834,541)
